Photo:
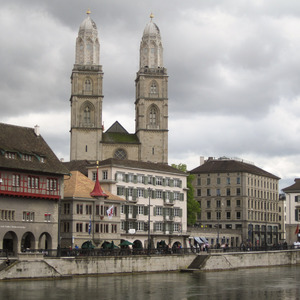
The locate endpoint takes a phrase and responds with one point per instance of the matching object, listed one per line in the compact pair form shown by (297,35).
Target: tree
(193,207)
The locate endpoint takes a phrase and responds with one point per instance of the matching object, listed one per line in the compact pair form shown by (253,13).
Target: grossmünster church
(89,141)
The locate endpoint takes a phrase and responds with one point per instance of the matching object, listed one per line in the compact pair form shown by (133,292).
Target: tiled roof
(229,166)
(24,141)
(79,186)
(140,165)
(294,187)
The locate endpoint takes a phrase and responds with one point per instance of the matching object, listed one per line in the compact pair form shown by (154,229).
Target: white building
(153,191)
(292,211)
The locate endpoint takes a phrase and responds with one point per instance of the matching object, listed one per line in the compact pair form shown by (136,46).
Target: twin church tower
(88,139)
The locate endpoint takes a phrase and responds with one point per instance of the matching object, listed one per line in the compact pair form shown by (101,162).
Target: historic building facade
(84,213)
(292,212)
(88,140)
(154,193)
(31,186)
(234,194)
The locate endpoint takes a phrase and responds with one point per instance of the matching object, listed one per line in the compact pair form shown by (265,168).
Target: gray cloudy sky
(234,73)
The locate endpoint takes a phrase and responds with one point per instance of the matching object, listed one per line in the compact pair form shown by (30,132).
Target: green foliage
(193,207)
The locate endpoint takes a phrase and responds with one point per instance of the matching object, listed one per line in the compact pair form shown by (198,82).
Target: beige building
(31,187)
(292,203)
(235,194)
(84,215)
(155,192)
(88,139)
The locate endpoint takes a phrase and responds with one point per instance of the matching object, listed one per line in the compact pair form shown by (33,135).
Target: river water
(260,283)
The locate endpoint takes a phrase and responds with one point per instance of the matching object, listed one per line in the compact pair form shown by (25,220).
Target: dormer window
(27,157)
(10,155)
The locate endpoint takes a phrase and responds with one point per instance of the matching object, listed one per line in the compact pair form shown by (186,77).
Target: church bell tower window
(120,154)
(87,115)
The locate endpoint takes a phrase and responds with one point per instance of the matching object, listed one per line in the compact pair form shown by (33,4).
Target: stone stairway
(197,263)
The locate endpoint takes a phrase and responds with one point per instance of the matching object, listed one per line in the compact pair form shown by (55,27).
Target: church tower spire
(151,105)
(86,94)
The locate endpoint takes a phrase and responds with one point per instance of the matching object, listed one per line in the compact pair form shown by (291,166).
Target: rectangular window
(158,210)
(218,203)
(120,191)
(238,191)
(228,192)
(208,203)
(238,180)
(198,192)
(140,193)
(218,192)
(16,180)
(66,226)
(176,196)
(79,209)
(208,181)
(218,215)
(228,203)
(159,226)
(228,180)
(177,182)
(159,180)
(238,215)
(140,210)
(104,175)
(228,215)
(208,214)
(94,174)
(88,209)
(177,212)
(51,184)
(159,194)
(238,203)
(33,182)
(78,227)
(218,180)
(208,192)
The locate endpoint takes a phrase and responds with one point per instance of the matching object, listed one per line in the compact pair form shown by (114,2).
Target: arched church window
(153,116)
(87,115)
(120,154)
(153,88)
(88,85)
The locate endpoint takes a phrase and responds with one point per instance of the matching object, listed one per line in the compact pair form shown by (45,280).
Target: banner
(110,212)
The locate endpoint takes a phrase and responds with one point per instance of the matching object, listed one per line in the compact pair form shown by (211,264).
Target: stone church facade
(88,139)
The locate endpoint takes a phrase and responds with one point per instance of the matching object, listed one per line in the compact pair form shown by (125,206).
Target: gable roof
(117,134)
(24,141)
(294,187)
(229,166)
(79,186)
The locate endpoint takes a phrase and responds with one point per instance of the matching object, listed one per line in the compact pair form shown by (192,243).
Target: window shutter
(146,209)
(180,212)
(135,178)
(154,211)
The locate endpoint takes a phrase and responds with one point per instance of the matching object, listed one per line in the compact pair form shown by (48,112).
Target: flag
(110,212)
(90,225)
(297,229)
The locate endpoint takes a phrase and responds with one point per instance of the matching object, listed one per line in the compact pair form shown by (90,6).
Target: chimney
(37,130)
(201,160)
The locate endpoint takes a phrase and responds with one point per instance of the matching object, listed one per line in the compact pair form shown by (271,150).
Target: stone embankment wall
(227,261)
(30,268)
(72,266)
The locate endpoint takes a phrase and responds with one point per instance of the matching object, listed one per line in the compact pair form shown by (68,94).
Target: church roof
(151,28)
(28,150)
(229,166)
(80,186)
(294,187)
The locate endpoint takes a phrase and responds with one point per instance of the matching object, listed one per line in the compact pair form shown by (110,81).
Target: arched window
(88,85)
(87,115)
(120,154)
(153,116)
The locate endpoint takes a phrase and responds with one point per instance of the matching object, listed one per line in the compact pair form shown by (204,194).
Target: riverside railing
(67,252)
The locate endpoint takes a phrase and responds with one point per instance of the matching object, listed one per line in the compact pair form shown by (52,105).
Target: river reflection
(261,283)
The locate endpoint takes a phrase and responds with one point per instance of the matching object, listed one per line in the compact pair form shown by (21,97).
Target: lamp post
(149,244)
